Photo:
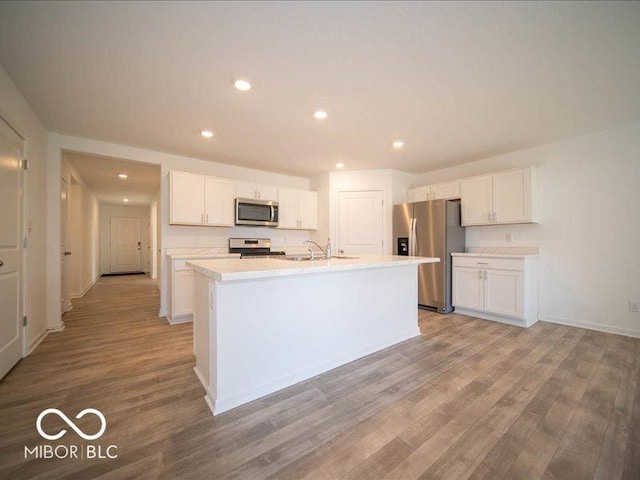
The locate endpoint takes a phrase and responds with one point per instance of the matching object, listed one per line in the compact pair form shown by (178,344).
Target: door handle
(67,254)
(1,263)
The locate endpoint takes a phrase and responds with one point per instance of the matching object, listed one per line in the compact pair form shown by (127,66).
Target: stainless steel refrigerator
(430,229)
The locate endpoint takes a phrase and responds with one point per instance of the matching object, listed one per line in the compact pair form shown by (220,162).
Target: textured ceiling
(455,81)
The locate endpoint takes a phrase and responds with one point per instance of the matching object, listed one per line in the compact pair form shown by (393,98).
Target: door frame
(384,207)
(24,232)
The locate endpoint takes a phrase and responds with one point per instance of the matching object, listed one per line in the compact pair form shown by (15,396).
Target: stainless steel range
(252,247)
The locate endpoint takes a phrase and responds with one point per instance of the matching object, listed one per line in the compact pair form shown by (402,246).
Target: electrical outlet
(634,306)
(509,237)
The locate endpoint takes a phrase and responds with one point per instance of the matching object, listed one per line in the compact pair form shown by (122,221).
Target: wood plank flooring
(469,399)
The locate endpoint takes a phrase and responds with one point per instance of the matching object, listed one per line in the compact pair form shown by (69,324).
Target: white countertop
(186,256)
(223,270)
(496,255)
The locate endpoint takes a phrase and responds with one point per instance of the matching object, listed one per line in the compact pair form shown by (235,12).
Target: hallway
(114,355)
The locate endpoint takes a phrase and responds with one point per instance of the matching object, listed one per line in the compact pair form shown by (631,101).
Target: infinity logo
(71,424)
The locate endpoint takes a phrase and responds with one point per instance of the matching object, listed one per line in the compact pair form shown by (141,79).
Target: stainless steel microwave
(250,211)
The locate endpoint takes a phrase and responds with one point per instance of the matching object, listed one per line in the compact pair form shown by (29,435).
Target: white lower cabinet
(180,287)
(496,288)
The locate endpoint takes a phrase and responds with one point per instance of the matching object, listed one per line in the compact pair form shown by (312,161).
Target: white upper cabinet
(200,200)
(445,190)
(419,194)
(512,196)
(297,209)
(186,192)
(255,191)
(503,197)
(477,206)
(219,197)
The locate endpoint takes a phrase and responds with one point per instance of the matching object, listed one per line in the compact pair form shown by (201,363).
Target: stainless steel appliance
(430,229)
(250,211)
(252,247)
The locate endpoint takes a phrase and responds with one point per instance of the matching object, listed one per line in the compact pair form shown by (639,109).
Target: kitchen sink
(307,258)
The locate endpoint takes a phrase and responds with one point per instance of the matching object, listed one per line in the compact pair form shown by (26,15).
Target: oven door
(256,212)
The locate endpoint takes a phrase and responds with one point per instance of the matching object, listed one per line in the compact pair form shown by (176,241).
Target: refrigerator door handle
(414,237)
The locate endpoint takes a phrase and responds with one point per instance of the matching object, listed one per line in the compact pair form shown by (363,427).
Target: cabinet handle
(480,274)
(207,217)
(489,216)
(202,217)
(495,217)
(482,263)
(485,274)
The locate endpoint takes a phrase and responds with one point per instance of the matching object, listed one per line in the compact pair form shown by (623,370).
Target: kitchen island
(261,325)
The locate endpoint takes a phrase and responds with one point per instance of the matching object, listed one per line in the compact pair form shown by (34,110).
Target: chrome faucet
(307,242)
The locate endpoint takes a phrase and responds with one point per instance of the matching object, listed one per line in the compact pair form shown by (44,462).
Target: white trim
(85,289)
(32,346)
(221,405)
(627,332)
(57,328)
(495,318)
(188,318)
(162,313)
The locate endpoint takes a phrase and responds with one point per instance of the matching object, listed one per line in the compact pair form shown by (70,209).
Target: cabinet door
(512,196)
(287,208)
(308,210)
(446,190)
(218,202)
(419,194)
(503,293)
(468,288)
(186,198)
(246,190)
(267,192)
(476,200)
(182,292)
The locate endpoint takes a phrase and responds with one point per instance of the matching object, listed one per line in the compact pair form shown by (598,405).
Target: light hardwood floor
(467,399)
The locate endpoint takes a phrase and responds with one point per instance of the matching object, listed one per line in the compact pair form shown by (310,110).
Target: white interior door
(360,222)
(125,245)
(64,253)
(11,272)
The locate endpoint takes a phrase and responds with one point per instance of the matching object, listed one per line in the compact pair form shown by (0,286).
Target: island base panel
(252,338)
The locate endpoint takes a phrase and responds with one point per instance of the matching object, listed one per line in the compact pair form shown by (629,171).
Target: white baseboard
(36,341)
(220,405)
(181,319)
(627,332)
(85,289)
(162,313)
(496,318)
(57,328)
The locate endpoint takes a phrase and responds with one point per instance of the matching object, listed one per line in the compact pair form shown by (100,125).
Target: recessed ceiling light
(339,165)
(206,133)
(398,144)
(320,114)
(125,200)
(123,175)
(242,85)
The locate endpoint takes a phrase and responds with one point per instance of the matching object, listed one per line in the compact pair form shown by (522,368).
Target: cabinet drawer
(489,263)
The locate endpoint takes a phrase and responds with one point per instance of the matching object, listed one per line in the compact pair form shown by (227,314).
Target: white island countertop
(226,270)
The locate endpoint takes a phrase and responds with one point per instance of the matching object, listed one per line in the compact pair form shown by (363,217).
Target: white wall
(106,212)
(82,233)
(170,236)
(589,230)
(15,110)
